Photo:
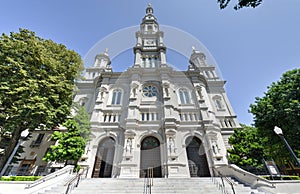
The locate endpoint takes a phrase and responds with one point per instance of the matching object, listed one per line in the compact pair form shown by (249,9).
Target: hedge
(19,178)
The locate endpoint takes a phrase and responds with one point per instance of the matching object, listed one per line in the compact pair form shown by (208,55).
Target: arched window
(184,96)
(116,97)
(155,61)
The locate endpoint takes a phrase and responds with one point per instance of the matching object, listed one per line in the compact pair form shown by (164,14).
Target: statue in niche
(215,148)
(133,90)
(199,92)
(100,95)
(171,145)
(166,89)
(128,145)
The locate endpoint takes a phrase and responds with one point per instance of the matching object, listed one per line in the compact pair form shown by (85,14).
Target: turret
(102,60)
(101,64)
(197,58)
(198,61)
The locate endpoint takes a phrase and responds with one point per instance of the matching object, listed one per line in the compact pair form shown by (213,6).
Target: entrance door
(104,159)
(150,157)
(197,161)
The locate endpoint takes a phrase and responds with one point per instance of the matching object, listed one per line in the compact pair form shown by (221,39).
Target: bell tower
(150,51)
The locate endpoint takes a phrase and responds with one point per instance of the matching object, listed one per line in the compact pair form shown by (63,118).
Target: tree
(83,119)
(71,144)
(36,84)
(241,3)
(247,148)
(280,106)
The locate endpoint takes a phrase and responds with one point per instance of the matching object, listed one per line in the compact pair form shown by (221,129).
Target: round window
(150,91)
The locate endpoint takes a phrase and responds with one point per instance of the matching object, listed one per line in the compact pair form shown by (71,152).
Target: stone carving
(128,146)
(171,144)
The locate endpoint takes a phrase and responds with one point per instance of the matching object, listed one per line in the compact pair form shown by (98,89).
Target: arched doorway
(104,159)
(197,161)
(150,156)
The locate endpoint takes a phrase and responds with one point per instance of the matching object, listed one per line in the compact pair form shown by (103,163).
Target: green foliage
(248,149)
(83,119)
(71,144)
(20,178)
(36,83)
(77,168)
(281,178)
(241,3)
(280,106)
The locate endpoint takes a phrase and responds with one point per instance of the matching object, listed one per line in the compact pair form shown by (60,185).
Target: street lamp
(278,131)
(24,134)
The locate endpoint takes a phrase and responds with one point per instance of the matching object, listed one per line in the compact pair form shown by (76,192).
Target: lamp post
(24,134)
(278,131)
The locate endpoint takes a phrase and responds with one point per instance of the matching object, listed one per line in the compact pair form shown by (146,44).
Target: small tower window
(155,62)
(143,62)
(150,62)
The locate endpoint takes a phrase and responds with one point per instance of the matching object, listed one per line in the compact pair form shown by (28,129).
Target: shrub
(282,178)
(20,178)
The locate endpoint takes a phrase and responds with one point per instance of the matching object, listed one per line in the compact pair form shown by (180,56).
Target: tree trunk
(10,148)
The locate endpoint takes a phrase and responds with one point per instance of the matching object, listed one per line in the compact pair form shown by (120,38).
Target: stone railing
(245,177)
(254,181)
(50,180)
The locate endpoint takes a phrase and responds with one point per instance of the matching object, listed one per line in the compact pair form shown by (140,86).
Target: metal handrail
(221,186)
(148,181)
(228,181)
(74,182)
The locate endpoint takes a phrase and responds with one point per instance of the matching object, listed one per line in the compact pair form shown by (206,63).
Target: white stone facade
(152,116)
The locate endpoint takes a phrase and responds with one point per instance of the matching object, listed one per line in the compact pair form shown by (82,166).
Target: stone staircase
(59,188)
(241,188)
(160,186)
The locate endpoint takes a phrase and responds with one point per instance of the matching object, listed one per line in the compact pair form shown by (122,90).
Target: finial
(193,48)
(149,9)
(106,51)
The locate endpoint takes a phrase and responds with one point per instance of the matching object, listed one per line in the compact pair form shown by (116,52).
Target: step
(160,186)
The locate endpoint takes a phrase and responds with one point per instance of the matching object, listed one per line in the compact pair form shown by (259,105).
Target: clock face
(150,42)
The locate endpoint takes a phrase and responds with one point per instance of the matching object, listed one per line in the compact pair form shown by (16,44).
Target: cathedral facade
(152,117)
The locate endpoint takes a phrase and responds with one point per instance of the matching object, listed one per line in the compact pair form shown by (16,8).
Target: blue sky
(252,47)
